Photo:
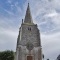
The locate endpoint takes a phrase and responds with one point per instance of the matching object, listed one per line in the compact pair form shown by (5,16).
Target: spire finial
(28,3)
(28,6)
(28,18)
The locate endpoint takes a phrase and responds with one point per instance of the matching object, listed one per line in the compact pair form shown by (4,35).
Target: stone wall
(24,52)
(29,33)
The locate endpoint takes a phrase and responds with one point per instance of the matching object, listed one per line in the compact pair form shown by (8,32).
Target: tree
(7,55)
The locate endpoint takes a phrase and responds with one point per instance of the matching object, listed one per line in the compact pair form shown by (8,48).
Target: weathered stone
(28,32)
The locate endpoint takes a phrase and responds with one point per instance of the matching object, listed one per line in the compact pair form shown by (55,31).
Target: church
(28,41)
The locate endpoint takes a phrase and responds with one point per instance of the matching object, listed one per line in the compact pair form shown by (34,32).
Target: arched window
(29,28)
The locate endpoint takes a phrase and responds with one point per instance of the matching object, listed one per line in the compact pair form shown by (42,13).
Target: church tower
(28,42)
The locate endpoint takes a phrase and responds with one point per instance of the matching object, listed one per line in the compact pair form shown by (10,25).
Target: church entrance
(29,57)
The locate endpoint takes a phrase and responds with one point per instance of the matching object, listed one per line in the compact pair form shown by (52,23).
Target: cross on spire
(28,17)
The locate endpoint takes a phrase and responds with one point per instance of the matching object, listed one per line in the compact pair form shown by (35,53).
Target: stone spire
(28,18)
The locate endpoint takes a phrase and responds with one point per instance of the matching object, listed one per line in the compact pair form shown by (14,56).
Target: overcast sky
(45,13)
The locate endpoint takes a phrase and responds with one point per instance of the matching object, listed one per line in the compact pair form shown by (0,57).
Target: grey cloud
(51,45)
(8,39)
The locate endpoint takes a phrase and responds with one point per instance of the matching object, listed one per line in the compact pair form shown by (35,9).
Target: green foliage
(7,55)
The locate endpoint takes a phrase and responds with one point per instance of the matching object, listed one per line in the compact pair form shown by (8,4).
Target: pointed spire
(28,18)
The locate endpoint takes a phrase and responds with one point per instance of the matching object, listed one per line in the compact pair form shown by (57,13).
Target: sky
(45,13)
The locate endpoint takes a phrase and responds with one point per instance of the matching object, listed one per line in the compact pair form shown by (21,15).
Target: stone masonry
(28,42)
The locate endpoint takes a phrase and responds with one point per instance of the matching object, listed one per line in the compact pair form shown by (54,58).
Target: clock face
(29,46)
